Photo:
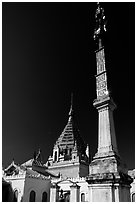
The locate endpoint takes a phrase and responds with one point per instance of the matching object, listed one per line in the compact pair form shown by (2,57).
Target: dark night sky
(47,53)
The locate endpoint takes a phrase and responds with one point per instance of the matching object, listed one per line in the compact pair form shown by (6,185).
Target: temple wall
(70,170)
(17,183)
(38,185)
(84,170)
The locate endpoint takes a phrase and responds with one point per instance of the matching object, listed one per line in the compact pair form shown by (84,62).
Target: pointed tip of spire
(39,152)
(71,97)
(71,106)
(13,161)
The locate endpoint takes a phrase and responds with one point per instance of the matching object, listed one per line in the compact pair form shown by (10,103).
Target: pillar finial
(100,26)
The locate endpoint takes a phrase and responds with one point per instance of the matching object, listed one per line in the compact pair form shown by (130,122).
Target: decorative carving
(100,22)
(101,78)
(100,57)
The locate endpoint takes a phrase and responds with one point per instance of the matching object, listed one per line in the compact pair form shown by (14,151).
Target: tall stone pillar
(75,193)
(108,179)
(54,193)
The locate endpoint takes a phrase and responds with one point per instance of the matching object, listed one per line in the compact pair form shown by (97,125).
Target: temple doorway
(64,196)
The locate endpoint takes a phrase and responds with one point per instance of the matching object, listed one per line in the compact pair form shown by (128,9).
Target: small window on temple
(32,196)
(15,196)
(44,197)
(82,197)
(55,156)
(133,197)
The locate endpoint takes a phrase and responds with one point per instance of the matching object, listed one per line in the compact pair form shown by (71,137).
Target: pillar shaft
(107,144)
(106,131)
(75,193)
(54,193)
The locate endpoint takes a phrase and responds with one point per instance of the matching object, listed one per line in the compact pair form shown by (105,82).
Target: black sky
(47,53)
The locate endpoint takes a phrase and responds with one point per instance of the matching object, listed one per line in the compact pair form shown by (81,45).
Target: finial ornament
(38,154)
(71,107)
(100,22)
(75,145)
(87,150)
(13,161)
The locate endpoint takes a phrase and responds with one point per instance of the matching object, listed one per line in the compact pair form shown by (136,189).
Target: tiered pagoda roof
(70,136)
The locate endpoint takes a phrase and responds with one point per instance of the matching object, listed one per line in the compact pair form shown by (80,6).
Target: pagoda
(70,157)
(108,179)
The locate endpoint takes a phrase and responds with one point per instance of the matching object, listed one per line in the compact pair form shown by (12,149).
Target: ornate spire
(37,157)
(70,136)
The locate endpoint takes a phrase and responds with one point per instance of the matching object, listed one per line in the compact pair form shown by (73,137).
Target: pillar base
(109,187)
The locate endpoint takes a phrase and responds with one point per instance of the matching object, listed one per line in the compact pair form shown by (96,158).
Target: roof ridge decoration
(37,158)
(12,164)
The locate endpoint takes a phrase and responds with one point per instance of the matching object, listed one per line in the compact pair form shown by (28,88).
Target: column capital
(54,185)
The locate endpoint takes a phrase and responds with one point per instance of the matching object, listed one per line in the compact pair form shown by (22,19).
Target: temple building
(70,174)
